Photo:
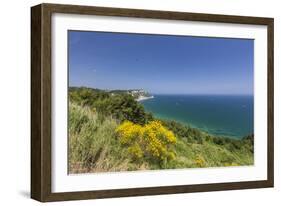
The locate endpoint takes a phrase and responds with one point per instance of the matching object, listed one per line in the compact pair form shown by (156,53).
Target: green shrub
(121,106)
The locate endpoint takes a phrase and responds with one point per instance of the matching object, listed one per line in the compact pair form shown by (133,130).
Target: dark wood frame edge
(41,101)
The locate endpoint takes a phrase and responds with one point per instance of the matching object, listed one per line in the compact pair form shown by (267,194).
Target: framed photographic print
(130,102)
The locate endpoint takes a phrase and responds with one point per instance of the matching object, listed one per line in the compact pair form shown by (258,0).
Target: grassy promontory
(111,131)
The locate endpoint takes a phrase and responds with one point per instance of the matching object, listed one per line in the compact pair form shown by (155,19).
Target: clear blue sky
(160,63)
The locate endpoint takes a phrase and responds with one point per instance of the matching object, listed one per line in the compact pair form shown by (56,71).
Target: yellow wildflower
(200,161)
(152,139)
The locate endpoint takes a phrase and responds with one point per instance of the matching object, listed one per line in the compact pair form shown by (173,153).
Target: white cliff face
(140,94)
(141,98)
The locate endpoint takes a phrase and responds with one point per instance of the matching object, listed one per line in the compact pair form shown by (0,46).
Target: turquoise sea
(224,115)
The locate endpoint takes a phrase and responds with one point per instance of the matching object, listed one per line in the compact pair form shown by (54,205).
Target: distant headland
(138,94)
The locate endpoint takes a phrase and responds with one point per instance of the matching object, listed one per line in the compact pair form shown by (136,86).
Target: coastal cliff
(138,94)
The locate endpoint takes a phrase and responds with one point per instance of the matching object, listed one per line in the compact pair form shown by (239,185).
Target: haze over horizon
(161,64)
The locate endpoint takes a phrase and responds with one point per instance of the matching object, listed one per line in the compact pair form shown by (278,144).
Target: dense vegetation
(111,131)
(120,105)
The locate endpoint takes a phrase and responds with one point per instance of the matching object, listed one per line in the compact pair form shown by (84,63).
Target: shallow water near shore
(223,115)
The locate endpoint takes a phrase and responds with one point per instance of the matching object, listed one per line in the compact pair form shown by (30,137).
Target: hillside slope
(94,146)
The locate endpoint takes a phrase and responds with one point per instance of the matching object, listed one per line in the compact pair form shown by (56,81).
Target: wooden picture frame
(41,171)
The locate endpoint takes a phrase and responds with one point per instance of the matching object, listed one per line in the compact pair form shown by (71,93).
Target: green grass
(95,147)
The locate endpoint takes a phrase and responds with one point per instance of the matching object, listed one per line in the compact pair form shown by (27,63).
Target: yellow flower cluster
(200,161)
(135,151)
(129,132)
(152,140)
(158,139)
(230,164)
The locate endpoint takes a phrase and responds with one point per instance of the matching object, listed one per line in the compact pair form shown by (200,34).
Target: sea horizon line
(156,93)
(199,94)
